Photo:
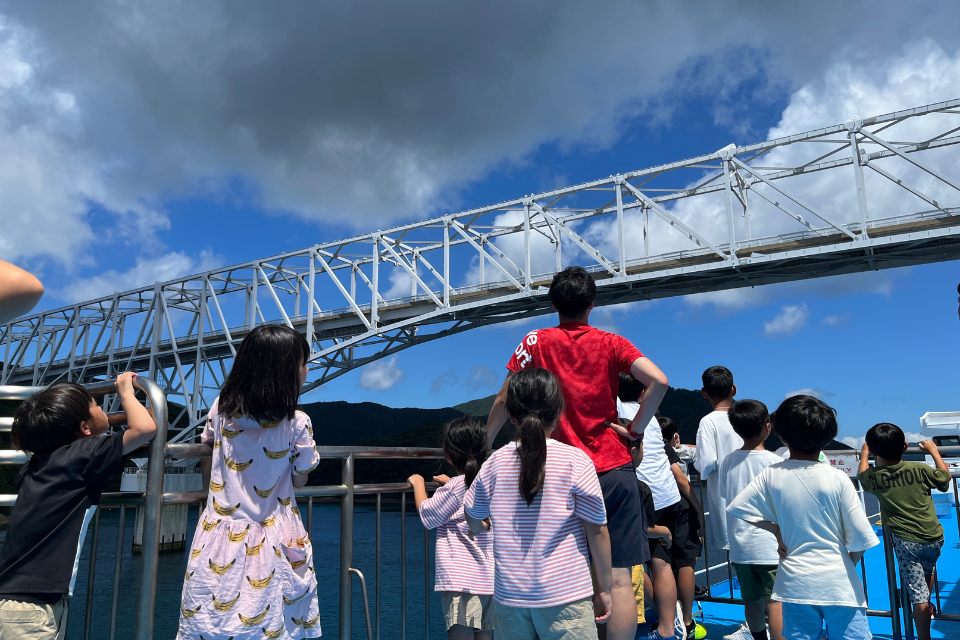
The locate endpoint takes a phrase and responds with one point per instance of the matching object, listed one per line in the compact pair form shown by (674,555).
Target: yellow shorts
(637,579)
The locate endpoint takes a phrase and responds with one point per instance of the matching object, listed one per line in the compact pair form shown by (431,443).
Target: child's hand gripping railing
(151,500)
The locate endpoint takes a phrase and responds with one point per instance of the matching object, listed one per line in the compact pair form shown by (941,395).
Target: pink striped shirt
(541,553)
(461,564)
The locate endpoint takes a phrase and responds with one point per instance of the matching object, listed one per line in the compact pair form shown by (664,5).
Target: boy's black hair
(748,418)
(668,428)
(717,382)
(886,440)
(464,442)
(572,291)
(805,423)
(264,382)
(630,388)
(51,418)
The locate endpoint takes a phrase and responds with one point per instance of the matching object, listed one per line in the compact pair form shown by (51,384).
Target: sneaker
(742,633)
(655,635)
(696,631)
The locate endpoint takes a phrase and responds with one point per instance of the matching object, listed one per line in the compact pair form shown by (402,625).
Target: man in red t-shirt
(588,362)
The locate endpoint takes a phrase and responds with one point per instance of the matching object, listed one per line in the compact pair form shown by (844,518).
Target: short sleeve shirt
(54,490)
(541,552)
(463,563)
(587,362)
(903,490)
(821,520)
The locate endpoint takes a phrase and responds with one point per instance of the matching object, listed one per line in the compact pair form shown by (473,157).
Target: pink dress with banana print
(250,573)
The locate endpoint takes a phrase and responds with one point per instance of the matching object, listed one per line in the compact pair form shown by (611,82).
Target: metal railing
(150,502)
(900,612)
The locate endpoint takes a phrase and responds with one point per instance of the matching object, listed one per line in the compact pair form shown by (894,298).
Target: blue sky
(190,141)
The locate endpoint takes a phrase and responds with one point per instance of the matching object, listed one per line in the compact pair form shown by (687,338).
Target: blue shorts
(626,520)
(805,622)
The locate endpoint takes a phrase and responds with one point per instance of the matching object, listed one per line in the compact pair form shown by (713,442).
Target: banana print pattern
(255,551)
(255,620)
(230,433)
(237,466)
(265,493)
(263,583)
(221,569)
(273,634)
(251,509)
(224,511)
(287,601)
(238,537)
(276,455)
(225,606)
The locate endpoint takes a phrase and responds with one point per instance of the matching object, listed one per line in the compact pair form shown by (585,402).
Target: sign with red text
(846,462)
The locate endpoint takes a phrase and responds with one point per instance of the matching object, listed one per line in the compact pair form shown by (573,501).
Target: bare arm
(498,413)
(598,539)
(140,425)
(419,489)
(476,526)
(855,556)
(20,291)
(205,465)
(864,458)
(773,528)
(683,484)
(933,452)
(300,481)
(660,531)
(656,386)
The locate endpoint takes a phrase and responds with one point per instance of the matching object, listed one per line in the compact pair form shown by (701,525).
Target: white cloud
(816,392)
(381,375)
(482,377)
(147,271)
(447,378)
(851,441)
(791,319)
(837,320)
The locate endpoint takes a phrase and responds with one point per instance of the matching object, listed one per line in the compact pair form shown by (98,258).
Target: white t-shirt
(820,520)
(716,439)
(654,469)
(748,544)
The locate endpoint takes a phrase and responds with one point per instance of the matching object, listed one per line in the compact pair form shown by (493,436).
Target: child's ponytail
(464,442)
(535,401)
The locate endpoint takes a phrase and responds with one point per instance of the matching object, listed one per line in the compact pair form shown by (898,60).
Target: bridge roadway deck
(904,241)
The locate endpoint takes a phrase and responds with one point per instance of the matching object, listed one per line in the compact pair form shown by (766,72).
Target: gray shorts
(917,561)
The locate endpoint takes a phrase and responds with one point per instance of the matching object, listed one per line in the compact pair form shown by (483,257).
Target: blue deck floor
(721,619)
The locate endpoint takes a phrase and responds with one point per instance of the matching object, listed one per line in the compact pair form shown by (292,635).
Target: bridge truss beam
(840,199)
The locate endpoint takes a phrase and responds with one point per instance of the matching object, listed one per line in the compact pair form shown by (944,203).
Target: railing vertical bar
(310,516)
(91,574)
(706,553)
(115,604)
(956,504)
(426,584)
(376,594)
(891,583)
(936,587)
(907,609)
(729,575)
(403,565)
(150,553)
(346,551)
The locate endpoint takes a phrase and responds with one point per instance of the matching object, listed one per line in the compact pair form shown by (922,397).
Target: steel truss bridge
(869,194)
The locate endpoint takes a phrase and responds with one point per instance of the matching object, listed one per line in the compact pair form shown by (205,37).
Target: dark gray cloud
(365,112)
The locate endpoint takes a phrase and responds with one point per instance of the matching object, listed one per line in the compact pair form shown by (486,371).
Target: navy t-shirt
(54,490)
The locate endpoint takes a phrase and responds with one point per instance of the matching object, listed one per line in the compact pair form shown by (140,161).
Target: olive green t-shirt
(903,490)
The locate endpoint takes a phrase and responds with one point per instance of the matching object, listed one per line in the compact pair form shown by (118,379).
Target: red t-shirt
(587,362)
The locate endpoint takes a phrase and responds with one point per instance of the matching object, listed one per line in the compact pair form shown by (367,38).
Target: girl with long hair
(250,572)
(464,563)
(543,500)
